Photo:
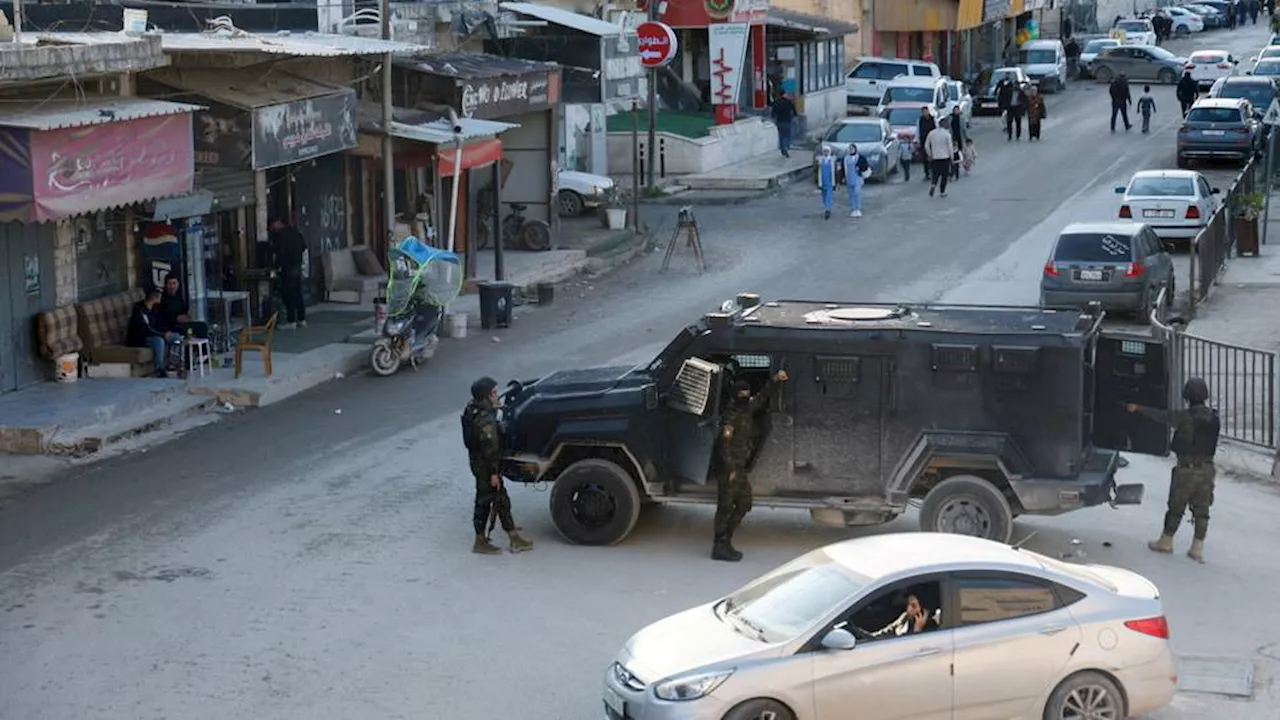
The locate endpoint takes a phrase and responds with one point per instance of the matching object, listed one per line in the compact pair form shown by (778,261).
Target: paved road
(298,563)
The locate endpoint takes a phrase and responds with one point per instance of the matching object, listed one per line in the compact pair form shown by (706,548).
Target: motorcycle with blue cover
(422,283)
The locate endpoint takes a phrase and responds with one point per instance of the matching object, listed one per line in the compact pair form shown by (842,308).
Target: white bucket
(617,218)
(66,369)
(455,325)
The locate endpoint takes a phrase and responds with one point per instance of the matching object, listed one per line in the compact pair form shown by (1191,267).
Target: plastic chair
(199,355)
(256,337)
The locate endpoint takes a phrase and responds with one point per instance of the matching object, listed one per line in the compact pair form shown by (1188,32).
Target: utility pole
(1266,195)
(17,21)
(388,146)
(653,108)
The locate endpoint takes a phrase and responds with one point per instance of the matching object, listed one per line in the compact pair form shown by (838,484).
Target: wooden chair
(245,340)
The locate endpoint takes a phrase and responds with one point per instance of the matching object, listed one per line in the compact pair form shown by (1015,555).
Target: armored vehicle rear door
(838,411)
(1128,368)
(691,422)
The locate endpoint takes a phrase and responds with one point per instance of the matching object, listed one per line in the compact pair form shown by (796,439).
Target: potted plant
(1248,208)
(613,213)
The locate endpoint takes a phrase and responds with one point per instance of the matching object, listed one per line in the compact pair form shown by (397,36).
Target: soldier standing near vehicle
(738,437)
(484,449)
(1195,440)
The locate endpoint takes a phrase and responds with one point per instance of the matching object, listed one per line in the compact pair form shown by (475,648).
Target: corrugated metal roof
(244,89)
(473,66)
(78,38)
(295,44)
(565,18)
(56,114)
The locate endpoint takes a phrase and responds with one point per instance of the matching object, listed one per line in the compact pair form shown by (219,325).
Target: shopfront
(524,95)
(271,142)
(71,174)
(602,76)
(806,57)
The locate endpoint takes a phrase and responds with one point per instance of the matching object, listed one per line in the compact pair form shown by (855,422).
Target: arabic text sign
(728,43)
(303,129)
(506,96)
(78,170)
(657,42)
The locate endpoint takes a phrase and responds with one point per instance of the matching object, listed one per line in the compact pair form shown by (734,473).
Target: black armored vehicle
(980,413)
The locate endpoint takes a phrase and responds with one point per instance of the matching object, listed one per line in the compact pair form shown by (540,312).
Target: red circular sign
(657,44)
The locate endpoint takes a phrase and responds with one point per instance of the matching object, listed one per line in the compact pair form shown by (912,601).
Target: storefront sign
(223,136)
(72,171)
(728,43)
(507,96)
(658,44)
(303,129)
(994,9)
(622,69)
(749,11)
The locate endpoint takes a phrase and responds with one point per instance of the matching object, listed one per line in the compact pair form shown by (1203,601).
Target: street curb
(1252,462)
(774,184)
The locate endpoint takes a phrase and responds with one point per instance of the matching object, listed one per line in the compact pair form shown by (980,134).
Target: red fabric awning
(474,155)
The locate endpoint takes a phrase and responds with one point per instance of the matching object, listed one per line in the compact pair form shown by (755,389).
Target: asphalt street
(295,562)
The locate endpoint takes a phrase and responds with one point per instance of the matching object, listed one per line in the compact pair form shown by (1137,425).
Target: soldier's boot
(723,550)
(482,546)
(1197,551)
(518,543)
(1163,545)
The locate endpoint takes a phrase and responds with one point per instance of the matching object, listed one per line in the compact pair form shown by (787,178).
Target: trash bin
(495,304)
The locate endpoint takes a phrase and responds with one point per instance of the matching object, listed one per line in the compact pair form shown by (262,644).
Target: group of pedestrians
(1017,102)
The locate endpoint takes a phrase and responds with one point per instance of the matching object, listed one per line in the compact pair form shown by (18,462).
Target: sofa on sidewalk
(57,333)
(352,275)
(103,325)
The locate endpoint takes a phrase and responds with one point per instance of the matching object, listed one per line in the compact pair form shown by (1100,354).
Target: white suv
(866,82)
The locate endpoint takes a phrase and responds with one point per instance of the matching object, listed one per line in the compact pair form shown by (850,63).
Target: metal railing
(1242,385)
(1211,248)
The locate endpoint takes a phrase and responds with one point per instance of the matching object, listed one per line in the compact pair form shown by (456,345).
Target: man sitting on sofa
(146,329)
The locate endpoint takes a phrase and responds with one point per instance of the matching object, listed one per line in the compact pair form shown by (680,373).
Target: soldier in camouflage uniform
(1195,440)
(484,448)
(738,436)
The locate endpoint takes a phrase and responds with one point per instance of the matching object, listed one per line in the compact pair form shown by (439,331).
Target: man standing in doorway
(291,249)
(784,113)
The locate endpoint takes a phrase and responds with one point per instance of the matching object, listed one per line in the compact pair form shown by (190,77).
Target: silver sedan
(922,626)
(875,139)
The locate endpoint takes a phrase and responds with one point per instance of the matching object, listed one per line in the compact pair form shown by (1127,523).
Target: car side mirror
(1119,189)
(1214,191)
(839,639)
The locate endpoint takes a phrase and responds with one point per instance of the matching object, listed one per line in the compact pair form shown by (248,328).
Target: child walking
(907,152)
(1146,106)
(970,156)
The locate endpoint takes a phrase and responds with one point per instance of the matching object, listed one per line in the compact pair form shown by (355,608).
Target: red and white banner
(728,43)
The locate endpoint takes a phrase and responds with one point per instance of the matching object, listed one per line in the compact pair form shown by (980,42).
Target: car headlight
(599,189)
(690,687)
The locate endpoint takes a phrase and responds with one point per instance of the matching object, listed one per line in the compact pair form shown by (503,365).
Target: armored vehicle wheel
(595,502)
(967,505)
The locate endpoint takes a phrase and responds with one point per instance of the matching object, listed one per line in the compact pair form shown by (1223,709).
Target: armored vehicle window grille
(753,362)
(1136,348)
(837,376)
(955,358)
(1014,360)
(692,390)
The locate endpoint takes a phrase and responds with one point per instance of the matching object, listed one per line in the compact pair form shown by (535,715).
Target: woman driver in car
(915,619)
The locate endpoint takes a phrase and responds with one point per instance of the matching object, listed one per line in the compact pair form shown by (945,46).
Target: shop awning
(482,85)
(427,127)
(813,24)
(564,18)
(244,89)
(61,159)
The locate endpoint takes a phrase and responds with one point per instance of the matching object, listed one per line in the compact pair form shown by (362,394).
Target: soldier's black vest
(1203,440)
(469,426)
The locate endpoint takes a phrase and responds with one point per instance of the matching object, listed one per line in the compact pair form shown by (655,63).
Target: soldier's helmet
(481,388)
(740,386)
(1195,391)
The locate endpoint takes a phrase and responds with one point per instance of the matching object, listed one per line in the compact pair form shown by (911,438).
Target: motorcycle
(422,283)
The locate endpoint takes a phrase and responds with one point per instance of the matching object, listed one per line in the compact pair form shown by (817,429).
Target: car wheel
(570,202)
(1182,31)
(1167,77)
(967,505)
(1085,695)
(760,709)
(595,502)
(1102,74)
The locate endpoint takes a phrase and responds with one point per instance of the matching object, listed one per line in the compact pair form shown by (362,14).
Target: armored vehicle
(978,413)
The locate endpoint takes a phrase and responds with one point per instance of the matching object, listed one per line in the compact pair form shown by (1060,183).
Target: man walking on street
(959,134)
(291,252)
(1146,106)
(1195,440)
(1017,109)
(1120,101)
(784,113)
(924,126)
(737,443)
(938,147)
(484,452)
(1073,58)
(1188,91)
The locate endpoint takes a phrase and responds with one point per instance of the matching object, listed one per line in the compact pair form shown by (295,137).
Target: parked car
(1122,265)
(875,138)
(1136,31)
(984,89)
(1207,66)
(1268,67)
(865,83)
(1176,204)
(1045,63)
(1185,21)
(1259,91)
(1139,62)
(1008,633)
(1219,129)
(903,118)
(929,90)
(958,94)
(579,191)
(1090,52)
(1211,17)
(1269,51)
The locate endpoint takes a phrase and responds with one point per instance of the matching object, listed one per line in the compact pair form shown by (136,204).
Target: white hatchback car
(907,625)
(1176,204)
(1135,31)
(1207,66)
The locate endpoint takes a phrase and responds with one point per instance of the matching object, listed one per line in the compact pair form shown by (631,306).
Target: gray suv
(1121,265)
